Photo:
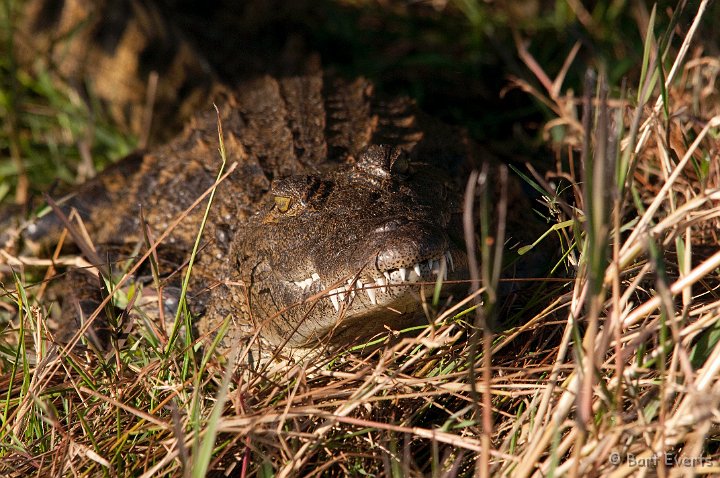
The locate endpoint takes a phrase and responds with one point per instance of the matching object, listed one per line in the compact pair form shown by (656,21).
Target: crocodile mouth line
(389,278)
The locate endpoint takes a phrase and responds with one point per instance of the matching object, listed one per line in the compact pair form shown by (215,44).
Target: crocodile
(339,207)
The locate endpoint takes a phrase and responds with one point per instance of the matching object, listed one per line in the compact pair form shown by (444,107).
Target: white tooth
(448,258)
(315,276)
(445,273)
(371,296)
(403,273)
(340,291)
(416,268)
(351,290)
(334,300)
(434,266)
(303,284)
(359,284)
(382,283)
(387,276)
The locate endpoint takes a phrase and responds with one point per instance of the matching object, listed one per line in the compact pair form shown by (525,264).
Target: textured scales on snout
(342,252)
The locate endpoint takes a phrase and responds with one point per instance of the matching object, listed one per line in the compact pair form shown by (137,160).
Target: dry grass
(616,370)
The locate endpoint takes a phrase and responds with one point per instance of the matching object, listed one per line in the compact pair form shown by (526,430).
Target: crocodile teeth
(381,282)
(371,296)
(334,300)
(340,293)
(415,274)
(347,290)
(449,260)
(438,266)
(304,284)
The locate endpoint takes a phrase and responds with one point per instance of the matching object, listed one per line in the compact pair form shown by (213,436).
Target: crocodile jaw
(377,290)
(368,302)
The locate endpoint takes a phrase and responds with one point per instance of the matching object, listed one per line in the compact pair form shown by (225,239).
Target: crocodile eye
(282,203)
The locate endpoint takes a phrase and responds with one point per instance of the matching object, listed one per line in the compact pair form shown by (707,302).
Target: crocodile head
(345,252)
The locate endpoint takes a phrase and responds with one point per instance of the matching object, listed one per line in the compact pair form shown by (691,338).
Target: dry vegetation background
(610,367)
